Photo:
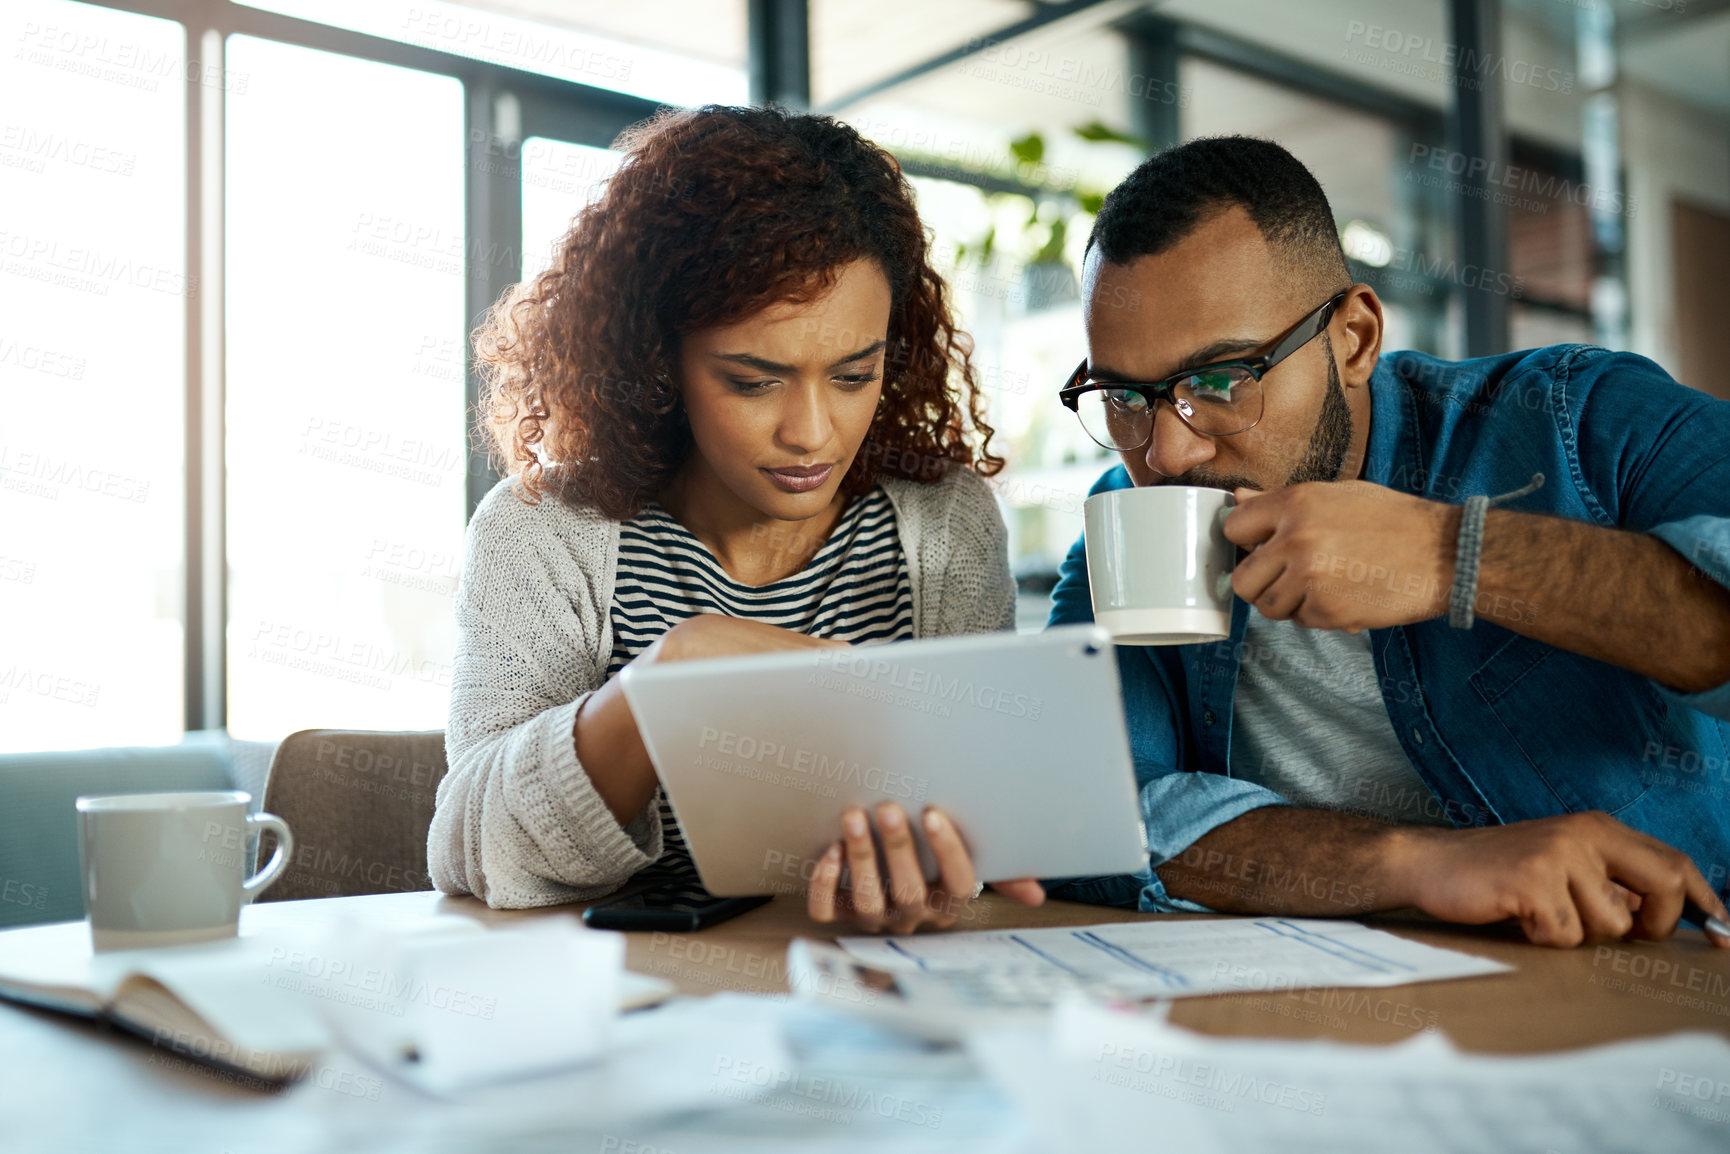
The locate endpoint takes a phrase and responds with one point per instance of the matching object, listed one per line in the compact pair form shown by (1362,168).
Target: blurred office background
(241,247)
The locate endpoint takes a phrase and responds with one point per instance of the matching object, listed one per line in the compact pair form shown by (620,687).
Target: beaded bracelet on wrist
(1469,550)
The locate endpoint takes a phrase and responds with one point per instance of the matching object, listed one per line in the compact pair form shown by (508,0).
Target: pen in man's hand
(1713,926)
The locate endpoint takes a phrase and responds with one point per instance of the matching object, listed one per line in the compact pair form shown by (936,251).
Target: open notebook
(256,1003)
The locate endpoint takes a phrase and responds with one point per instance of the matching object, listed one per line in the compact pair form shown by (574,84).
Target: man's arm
(1285,860)
(1653,457)
(1651,595)
(1566,880)
(1625,598)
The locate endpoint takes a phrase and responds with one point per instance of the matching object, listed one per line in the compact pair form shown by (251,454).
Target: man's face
(1220,294)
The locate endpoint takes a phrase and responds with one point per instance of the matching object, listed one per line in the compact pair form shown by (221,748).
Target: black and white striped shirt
(855,589)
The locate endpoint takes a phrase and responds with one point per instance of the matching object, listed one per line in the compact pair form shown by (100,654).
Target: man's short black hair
(1172,192)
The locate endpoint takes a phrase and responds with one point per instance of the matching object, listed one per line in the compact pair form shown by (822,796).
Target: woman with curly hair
(735,416)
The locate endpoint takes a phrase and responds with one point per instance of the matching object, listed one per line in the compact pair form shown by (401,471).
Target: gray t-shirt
(1308,722)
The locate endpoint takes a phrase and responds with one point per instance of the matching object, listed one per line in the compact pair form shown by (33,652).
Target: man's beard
(1323,456)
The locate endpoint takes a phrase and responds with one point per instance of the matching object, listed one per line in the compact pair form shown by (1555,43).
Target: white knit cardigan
(518,822)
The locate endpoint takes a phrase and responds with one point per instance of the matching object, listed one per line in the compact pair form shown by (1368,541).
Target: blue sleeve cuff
(1121,890)
(1712,702)
(1072,599)
(1179,809)
(1704,542)
(1154,900)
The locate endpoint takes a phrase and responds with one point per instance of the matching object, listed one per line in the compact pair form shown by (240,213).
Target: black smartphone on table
(673,907)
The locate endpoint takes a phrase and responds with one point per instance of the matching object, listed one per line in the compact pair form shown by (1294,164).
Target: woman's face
(780,402)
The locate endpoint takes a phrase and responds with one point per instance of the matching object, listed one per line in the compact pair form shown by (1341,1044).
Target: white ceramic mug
(1159,565)
(163,869)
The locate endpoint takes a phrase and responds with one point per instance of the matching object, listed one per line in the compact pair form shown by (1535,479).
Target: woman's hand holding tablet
(905,903)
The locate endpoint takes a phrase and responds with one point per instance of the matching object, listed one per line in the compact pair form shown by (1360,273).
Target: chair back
(359,804)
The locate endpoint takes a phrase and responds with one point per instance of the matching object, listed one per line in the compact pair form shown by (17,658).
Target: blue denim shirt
(1501,727)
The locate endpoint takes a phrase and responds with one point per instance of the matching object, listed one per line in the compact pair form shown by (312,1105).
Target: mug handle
(258,882)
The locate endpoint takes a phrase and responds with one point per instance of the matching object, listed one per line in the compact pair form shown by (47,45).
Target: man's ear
(1360,313)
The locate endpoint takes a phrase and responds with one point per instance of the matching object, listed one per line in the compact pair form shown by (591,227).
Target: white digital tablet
(1020,739)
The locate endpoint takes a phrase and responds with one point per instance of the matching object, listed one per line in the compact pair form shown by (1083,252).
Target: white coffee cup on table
(1159,564)
(168,869)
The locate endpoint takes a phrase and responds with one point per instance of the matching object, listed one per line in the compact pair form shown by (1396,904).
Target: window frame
(502,107)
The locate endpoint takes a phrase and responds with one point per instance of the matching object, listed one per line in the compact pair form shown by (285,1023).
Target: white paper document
(725,1074)
(1173,959)
(444,1011)
(1092,1079)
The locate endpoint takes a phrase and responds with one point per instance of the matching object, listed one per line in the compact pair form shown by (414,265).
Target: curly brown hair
(713,214)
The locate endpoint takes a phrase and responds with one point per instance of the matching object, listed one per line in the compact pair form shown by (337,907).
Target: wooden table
(1554,999)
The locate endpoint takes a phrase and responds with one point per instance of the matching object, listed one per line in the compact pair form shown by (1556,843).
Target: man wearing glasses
(1486,713)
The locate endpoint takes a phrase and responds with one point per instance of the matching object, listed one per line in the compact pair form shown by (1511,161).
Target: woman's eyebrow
(869,350)
(764,364)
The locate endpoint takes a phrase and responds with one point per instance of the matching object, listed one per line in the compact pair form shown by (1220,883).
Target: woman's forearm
(608,744)
(612,752)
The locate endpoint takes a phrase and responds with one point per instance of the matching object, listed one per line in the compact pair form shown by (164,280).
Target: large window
(1011,260)
(1009,151)
(93,294)
(559,180)
(387,169)
(1385,205)
(346,459)
(599,44)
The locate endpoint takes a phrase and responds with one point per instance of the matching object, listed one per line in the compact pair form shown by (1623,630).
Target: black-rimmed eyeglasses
(1217,400)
